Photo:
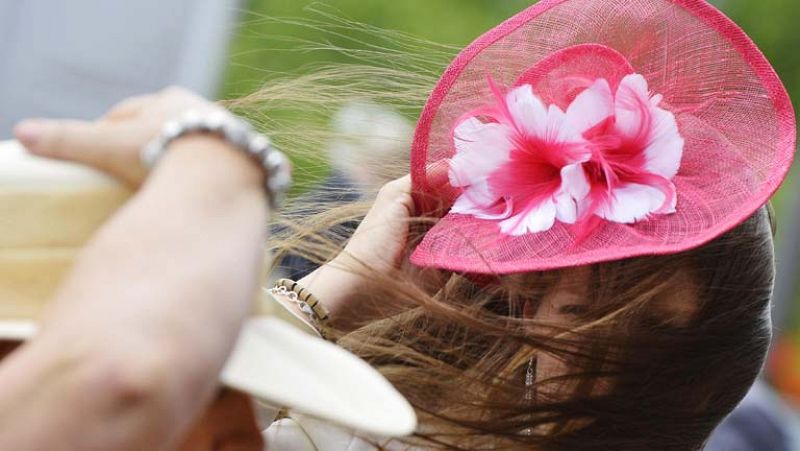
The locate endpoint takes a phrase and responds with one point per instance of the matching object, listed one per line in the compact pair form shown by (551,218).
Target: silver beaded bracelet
(240,134)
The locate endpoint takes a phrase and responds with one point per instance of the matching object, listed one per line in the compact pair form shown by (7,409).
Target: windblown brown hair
(664,350)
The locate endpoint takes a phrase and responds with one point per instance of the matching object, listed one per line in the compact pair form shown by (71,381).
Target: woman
(494,336)
(678,313)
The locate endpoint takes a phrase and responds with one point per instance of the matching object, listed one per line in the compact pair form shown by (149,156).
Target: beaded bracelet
(237,132)
(308,304)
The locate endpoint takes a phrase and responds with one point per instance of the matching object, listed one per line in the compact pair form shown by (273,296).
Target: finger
(129,107)
(179,92)
(397,187)
(397,190)
(92,143)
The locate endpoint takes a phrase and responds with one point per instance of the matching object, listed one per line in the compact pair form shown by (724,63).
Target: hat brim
(282,366)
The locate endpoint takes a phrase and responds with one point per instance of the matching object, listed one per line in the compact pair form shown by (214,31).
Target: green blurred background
(771,23)
(263,47)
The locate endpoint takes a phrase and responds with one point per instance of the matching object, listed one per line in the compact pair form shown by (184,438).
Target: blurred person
(76,59)
(370,136)
(368,148)
(761,422)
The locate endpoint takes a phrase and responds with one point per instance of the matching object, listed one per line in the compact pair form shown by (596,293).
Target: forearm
(182,260)
(335,284)
(142,326)
(347,288)
(349,285)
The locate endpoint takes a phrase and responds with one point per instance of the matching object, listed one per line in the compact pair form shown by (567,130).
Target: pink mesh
(560,77)
(731,107)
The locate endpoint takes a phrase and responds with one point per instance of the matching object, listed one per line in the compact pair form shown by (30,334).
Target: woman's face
(560,307)
(567,303)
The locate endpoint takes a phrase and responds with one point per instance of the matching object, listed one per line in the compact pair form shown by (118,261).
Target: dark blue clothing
(335,190)
(756,425)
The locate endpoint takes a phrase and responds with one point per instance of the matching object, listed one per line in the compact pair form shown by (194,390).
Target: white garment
(307,434)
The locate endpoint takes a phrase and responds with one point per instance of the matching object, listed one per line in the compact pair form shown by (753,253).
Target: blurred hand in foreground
(112,143)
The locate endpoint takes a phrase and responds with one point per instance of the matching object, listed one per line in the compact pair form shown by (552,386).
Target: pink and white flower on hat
(521,167)
(636,151)
(525,165)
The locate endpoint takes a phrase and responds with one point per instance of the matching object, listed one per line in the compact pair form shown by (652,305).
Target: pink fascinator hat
(584,131)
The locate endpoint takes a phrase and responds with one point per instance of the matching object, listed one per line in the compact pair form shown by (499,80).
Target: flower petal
(502,210)
(480,149)
(532,118)
(640,119)
(566,208)
(631,202)
(527,111)
(665,147)
(536,219)
(574,181)
(632,108)
(672,206)
(479,201)
(558,130)
(475,198)
(574,189)
(592,106)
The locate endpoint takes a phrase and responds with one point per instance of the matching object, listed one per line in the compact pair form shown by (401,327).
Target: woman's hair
(659,350)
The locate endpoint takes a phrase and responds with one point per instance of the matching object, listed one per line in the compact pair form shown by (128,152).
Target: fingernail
(29,133)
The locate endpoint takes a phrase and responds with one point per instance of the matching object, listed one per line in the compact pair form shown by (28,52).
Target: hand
(378,245)
(381,239)
(113,142)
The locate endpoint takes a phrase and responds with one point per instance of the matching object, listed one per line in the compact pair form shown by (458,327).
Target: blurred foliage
(279,37)
(455,22)
(771,23)
(773,26)
(265,47)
